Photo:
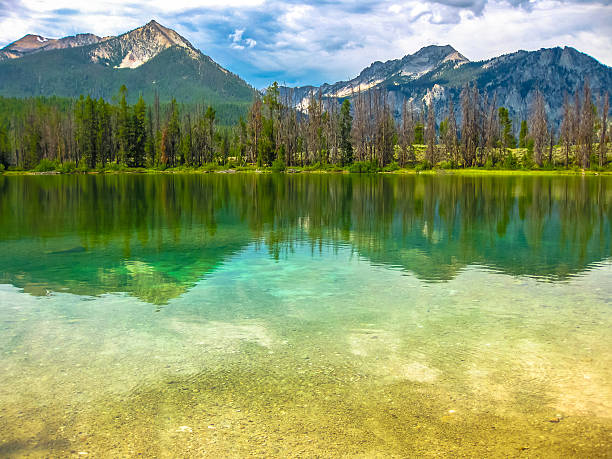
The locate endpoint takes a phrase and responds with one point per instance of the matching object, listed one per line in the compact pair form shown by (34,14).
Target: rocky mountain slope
(147,59)
(437,74)
(135,48)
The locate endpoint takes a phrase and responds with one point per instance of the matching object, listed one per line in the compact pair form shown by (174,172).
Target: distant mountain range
(437,74)
(147,59)
(155,58)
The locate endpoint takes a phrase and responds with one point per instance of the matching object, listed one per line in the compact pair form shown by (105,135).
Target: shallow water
(305,315)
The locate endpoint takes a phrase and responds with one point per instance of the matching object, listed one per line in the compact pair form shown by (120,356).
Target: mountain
(147,59)
(35,43)
(438,73)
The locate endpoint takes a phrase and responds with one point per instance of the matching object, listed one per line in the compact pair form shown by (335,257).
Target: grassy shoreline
(267,170)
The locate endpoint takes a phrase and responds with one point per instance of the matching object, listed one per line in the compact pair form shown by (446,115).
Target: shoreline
(289,171)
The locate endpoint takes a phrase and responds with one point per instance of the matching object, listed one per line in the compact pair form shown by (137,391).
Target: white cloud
(238,42)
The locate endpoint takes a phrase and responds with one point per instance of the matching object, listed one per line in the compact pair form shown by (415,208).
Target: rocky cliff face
(437,74)
(134,48)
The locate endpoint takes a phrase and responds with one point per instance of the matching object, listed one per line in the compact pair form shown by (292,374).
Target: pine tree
(346,126)
(139,133)
(4,146)
(505,126)
(171,136)
(524,132)
(209,123)
(104,134)
(123,126)
(150,150)
(90,133)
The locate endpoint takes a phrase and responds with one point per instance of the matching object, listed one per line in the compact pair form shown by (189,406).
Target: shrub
(447,165)
(114,167)
(510,161)
(391,167)
(424,166)
(360,167)
(82,167)
(1,167)
(527,162)
(364,167)
(67,167)
(313,167)
(210,167)
(45,165)
(278,165)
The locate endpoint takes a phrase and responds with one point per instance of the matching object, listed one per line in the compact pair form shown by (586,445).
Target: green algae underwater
(305,315)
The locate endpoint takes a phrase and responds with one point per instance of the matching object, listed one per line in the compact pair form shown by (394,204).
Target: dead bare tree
(470,101)
(430,134)
(406,138)
(566,128)
(603,146)
(539,127)
(450,135)
(359,128)
(586,123)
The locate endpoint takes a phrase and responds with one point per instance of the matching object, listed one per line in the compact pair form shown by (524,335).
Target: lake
(305,314)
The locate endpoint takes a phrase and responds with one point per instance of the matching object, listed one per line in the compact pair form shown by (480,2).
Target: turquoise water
(189,315)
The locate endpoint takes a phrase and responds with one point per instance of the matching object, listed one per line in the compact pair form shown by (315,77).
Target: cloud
(300,42)
(238,42)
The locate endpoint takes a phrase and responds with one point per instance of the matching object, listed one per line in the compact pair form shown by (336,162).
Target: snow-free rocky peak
(414,65)
(134,48)
(408,68)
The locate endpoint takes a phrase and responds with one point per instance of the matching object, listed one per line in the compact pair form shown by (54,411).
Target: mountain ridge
(437,74)
(31,43)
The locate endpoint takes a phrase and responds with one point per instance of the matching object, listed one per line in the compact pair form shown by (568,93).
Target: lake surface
(301,315)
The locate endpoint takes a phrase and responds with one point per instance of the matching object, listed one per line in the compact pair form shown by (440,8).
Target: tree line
(362,132)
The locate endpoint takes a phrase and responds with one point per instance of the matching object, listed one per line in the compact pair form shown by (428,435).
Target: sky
(299,43)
